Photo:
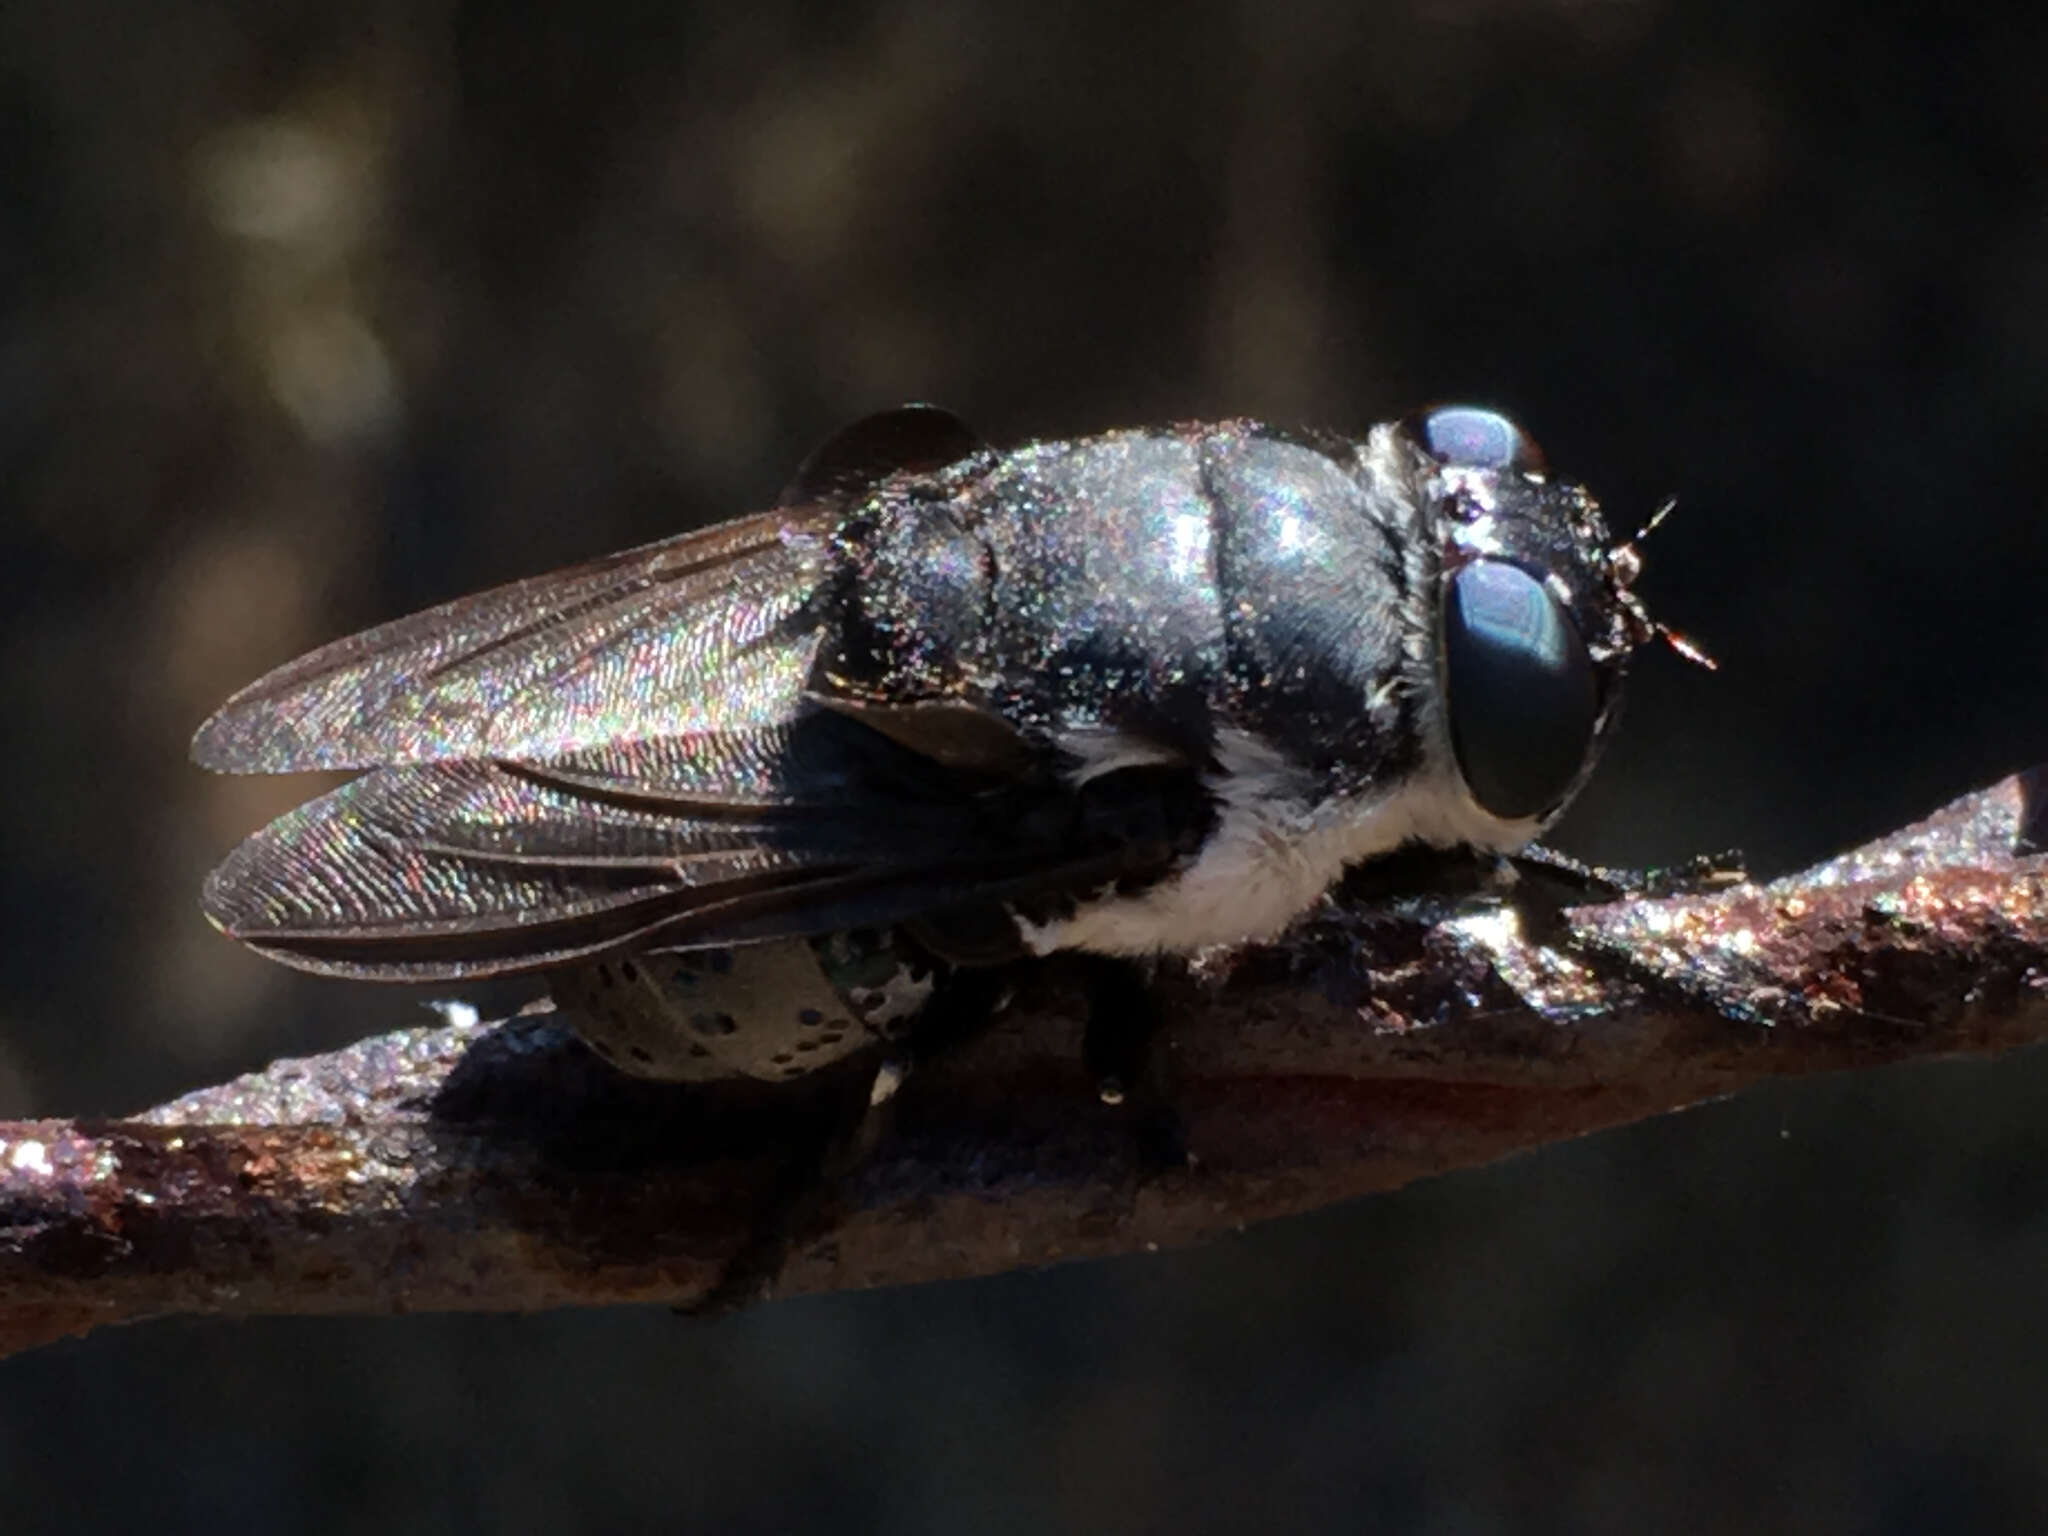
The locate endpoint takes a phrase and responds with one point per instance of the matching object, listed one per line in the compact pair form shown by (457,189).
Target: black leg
(1124,1024)
(1547,883)
(801,1194)
(852,1121)
(1123,1020)
(1571,882)
(962,1007)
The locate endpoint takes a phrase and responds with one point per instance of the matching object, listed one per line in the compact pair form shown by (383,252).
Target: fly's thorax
(1060,583)
(913,599)
(772,1011)
(1107,601)
(1325,606)
(1164,583)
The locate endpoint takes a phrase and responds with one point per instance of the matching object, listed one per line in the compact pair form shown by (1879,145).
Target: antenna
(1627,564)
(1664,509)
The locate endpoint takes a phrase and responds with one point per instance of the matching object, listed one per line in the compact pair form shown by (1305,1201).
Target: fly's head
(1538,614)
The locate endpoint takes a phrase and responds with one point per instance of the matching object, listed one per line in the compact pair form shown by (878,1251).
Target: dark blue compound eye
(1522,699)
(1471,437)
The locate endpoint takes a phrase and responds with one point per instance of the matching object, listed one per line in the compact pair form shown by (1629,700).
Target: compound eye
(1523,702)
(1472,437)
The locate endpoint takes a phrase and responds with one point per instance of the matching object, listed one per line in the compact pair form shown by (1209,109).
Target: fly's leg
(1120,1048)
(1547,883)
(1123,1021)
(800,1195)
(1572,882)
(1429,885)
(817,1180)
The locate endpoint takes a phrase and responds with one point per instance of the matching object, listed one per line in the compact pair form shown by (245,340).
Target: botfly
(752,796)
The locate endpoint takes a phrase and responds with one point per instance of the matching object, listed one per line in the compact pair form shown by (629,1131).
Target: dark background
(311,314)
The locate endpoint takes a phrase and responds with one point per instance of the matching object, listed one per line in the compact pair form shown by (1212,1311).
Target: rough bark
(498,1165)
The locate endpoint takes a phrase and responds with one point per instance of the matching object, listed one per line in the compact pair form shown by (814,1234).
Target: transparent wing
(444,870)
(441,870)
(704,632)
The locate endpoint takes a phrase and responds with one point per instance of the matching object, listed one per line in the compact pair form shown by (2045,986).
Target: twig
(494,1166)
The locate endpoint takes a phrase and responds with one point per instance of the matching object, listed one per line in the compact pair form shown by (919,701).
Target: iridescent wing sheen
(445,870)
(624,756)
(707,631)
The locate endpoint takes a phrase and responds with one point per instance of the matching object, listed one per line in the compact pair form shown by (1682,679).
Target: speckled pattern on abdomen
(772,1011)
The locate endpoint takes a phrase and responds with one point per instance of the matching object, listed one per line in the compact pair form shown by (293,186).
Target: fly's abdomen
(771,1011)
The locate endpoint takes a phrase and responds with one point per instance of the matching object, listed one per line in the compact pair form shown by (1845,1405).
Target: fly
(760,798)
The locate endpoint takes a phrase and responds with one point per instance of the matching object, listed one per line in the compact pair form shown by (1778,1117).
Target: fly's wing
(444,870)
(707,631)
(624,756)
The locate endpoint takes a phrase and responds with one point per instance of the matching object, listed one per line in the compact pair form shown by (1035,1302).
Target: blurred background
(311,314)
